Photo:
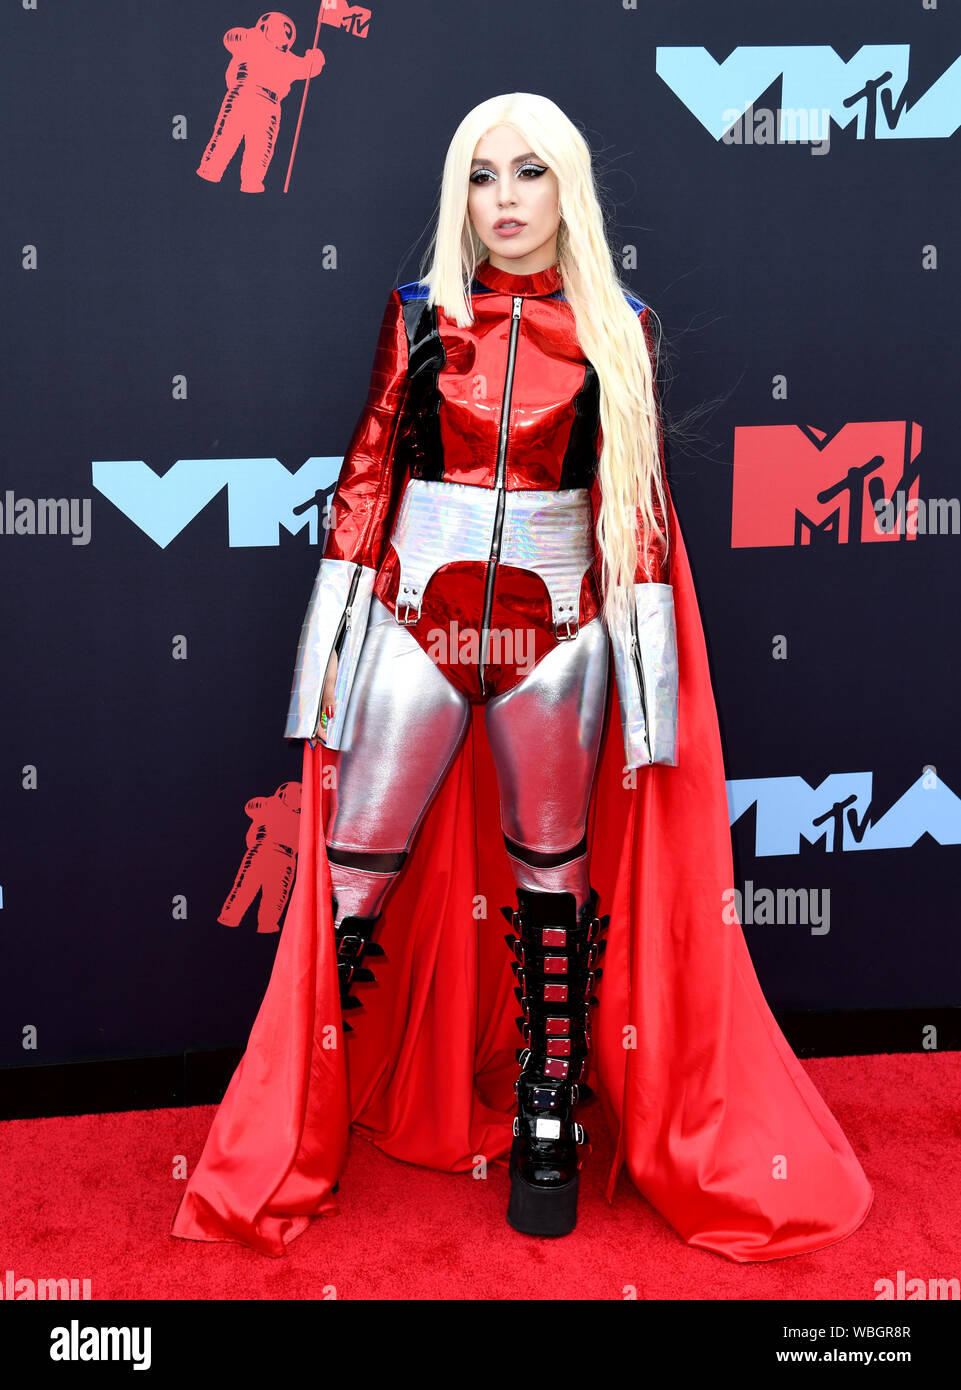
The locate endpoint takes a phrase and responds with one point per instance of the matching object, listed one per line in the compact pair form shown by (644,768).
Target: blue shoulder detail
(414,289)
(636,304)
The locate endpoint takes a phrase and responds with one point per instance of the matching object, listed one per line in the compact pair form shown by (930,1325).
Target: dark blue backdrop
(151,315)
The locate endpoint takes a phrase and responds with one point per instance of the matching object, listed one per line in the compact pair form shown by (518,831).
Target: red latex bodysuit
(440,416)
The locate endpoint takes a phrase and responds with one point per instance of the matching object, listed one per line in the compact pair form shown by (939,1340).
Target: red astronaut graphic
(270,861)
(259,76)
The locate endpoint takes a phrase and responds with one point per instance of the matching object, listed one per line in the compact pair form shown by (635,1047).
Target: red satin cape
(718,1124)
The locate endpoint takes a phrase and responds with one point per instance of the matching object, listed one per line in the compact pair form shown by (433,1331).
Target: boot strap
(353,943)
(554,1067)
(541,1095)
(550,1128)
(565,991)
(557,936)
(579,953)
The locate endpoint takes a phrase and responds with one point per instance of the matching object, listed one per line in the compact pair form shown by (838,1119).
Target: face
(509,183)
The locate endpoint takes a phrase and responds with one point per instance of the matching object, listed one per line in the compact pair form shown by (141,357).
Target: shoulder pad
(414,289)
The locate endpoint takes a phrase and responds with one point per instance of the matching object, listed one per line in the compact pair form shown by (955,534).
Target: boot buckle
(516,946)
(409,599)
(547,1128)
(546,1097)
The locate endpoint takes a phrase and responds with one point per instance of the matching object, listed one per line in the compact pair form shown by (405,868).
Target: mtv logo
(263,496)
(796,485)
(869,88)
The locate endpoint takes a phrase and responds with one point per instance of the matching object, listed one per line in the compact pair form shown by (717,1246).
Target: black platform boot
(556,956)
(353,938)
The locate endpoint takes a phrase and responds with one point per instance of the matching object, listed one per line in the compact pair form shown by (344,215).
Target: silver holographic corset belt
(549,532)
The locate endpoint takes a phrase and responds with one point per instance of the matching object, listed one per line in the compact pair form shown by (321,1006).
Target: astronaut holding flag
(259,76)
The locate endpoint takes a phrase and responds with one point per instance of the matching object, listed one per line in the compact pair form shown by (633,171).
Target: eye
(530,171)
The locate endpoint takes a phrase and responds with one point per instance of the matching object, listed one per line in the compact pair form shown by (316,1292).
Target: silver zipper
(636,661)
(499,486)
(342,629)
(345,620)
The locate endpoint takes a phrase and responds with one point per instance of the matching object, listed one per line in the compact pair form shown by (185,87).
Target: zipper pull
(518,299)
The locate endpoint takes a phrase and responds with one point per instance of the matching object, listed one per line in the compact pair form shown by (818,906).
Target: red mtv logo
(795,486)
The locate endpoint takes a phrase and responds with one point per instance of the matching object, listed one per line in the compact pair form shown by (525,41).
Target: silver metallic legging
(404,726)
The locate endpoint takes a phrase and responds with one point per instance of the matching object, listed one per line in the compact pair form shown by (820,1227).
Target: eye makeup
(533,171)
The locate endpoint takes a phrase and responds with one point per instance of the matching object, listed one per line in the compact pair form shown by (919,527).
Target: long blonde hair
(608,329)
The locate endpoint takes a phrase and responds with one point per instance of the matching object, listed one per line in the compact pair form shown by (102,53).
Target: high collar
(541,282)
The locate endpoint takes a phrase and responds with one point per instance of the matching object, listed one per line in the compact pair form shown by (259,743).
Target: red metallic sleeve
(366,492)
(657,570)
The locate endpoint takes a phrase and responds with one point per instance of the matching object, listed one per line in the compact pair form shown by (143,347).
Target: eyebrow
(518,159)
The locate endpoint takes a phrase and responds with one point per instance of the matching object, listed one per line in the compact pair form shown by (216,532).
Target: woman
(501,534)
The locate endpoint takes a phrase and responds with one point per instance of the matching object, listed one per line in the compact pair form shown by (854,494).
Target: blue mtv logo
(839,813)
(868,88)
(262,495)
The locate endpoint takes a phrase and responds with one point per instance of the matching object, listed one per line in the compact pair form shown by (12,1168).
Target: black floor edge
(106,1085)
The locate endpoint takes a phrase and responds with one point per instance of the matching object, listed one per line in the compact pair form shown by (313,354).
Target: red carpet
(92,1196)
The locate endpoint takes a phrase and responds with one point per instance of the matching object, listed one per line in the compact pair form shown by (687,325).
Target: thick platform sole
(541,1211)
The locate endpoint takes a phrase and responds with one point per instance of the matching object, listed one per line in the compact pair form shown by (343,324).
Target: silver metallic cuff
(338,607)
(645,666)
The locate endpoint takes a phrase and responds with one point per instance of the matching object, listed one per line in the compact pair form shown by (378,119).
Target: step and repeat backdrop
(204,209)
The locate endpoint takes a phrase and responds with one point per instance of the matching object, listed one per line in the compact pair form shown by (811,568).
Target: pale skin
(507,180)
